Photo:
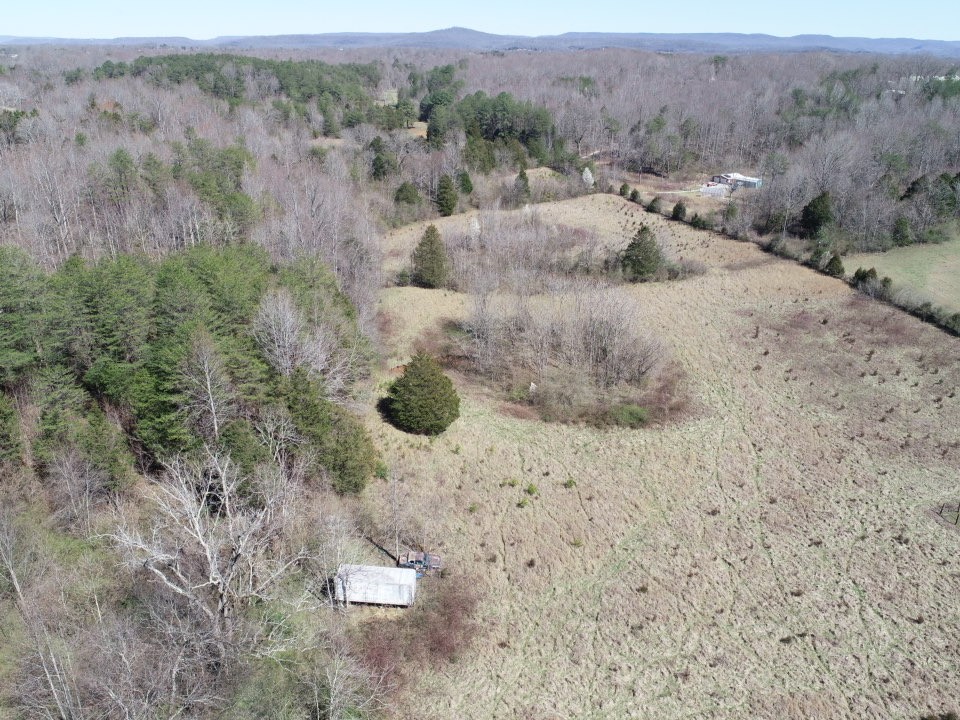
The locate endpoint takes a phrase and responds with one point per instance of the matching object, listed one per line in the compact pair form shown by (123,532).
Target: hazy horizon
(107,19)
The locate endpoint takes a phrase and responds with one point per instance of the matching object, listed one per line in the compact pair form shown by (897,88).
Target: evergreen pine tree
(816,215)
(407,193)
(429,259)
(9,430)
(901,234)
(642,258)
(423,399)
(340,443)
(521,186)
(446,196)
(834,266)
(21,290)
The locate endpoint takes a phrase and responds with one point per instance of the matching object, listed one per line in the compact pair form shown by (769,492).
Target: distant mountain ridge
(465,39)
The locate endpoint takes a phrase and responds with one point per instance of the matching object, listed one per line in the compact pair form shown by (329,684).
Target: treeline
(862,129)
(209,349)
(345,96)
(227,76)
(173,435)
(343,93)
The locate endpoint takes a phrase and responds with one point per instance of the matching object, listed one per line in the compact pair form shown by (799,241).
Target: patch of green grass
(631,416)
(933,270)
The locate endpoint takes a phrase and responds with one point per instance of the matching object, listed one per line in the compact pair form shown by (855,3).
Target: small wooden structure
(376,585)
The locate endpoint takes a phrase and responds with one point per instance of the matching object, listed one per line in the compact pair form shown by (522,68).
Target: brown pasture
(773,554)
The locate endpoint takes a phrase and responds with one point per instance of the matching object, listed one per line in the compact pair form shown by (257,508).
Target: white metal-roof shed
(376,585)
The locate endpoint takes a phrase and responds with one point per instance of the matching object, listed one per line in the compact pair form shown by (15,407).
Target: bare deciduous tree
(213,548)
(343,688)
(50,690)
(278,329)
(78,487)
(209,395)
(288,342)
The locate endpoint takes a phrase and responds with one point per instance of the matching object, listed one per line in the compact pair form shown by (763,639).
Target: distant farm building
(736,180)
(375,585)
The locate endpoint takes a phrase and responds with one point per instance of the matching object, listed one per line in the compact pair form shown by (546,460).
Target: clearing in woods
(931,270)
(773,554)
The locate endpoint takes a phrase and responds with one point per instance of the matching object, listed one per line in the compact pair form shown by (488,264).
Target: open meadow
(772,552)
(933,271)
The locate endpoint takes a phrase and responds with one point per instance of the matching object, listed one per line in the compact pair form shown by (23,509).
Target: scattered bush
(625,190)
(655,205)
(635,196)
(686,267)
(679,211)
(436,630)
(863,278)
(631,416)
(318,154)
(834,266)
(587,352)
(699,222)
(423,399)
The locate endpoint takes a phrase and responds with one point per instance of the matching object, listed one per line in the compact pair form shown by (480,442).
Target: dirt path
(771,556)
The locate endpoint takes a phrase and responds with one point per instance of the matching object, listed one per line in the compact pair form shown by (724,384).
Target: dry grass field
(931,270)
(774,553)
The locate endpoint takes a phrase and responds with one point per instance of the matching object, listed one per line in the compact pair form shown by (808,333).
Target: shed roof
(376,585)
(742,178)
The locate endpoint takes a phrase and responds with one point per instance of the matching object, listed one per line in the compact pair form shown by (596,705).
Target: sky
(203,19)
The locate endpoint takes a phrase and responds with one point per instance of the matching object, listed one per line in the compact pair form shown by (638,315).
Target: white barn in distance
(736,180)
(375,585)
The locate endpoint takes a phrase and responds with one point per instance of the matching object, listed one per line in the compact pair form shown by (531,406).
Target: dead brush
(435,631)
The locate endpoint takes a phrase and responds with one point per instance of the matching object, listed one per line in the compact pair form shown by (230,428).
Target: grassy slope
(772,555)
(933,270)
